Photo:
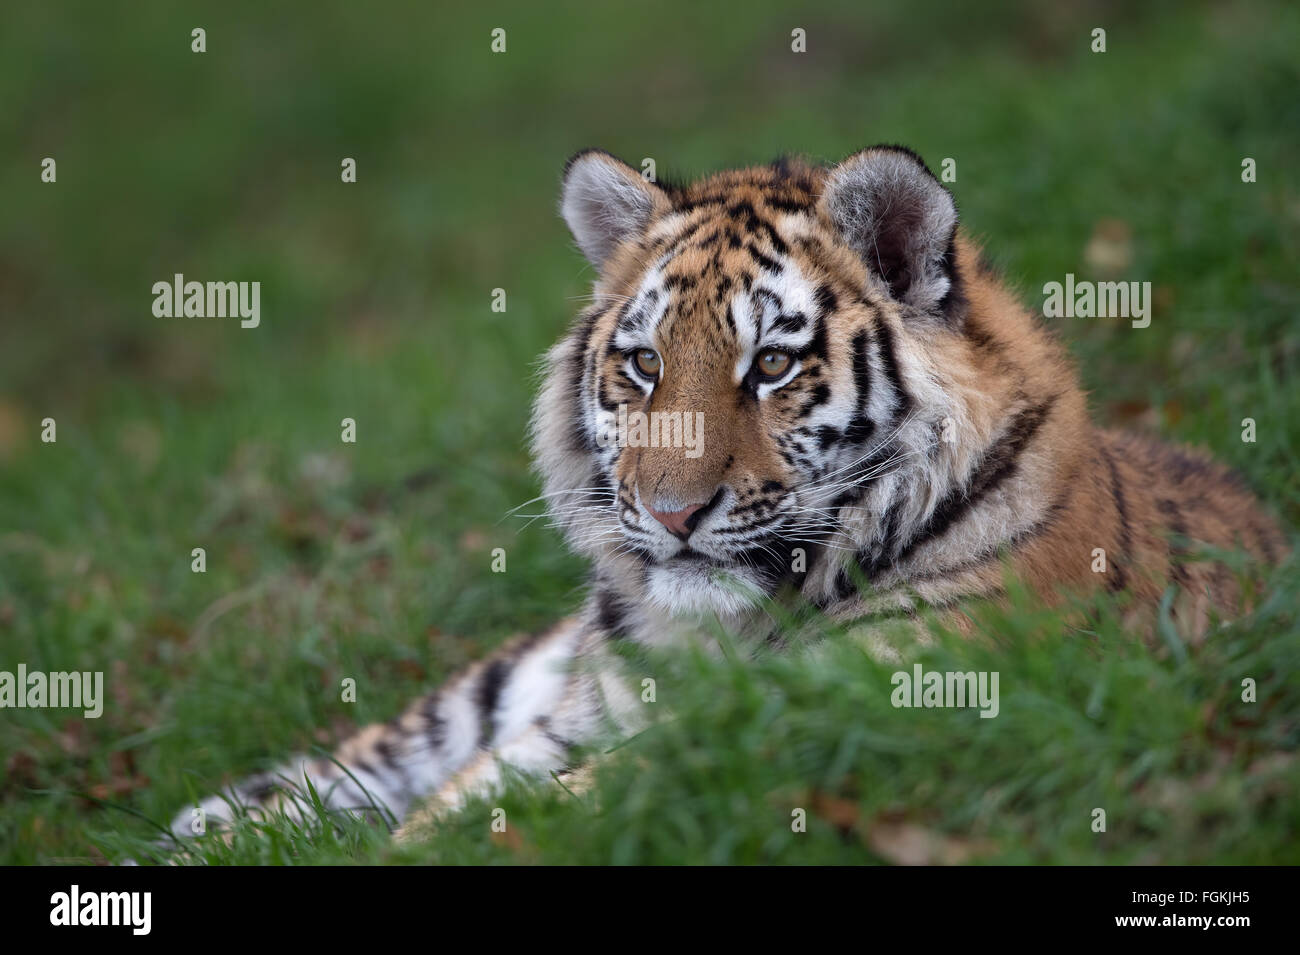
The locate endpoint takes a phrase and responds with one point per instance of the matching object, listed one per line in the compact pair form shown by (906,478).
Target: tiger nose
(679,523)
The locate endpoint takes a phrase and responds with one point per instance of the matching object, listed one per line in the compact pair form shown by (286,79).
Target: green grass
(371,561)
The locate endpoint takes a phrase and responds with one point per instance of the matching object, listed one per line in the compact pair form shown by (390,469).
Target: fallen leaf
(1110,249)
(905,843)
(839,812)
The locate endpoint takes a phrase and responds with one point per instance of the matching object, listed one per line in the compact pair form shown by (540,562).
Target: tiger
(885,431)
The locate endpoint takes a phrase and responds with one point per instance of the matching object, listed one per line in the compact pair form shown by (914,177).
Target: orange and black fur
(881,426)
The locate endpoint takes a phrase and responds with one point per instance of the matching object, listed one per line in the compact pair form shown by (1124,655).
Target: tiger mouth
(692,556)
(684,558)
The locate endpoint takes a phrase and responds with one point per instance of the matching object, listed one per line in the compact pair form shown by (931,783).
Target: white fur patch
(688,588)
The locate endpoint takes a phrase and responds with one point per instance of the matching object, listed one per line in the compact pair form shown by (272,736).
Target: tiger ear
(901,221)
(604,202)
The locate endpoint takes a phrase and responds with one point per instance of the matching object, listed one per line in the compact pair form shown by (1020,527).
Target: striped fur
(927,434)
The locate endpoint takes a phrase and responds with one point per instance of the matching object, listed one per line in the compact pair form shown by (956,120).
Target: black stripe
(810,245)
(888,356)
(756,223)
(954,304)
(1264,534)
(1002,548)
(780,167)
(820,394)
(261,789)
(787,205)
(435,725)
(816,347)
(682,237)
(982,339)
(826,300)
(765,262)
(860,427)
(793,323)
(1178,540)
(1120,580)
(770,560)
(875,559)
(611,615)
(999,462)
(603,398)
(581,440)
(543,723)
(826,435)
(388,754)
(633,318)
(488,694)
(868,472)
(643,556)
(763,300)
(701,202)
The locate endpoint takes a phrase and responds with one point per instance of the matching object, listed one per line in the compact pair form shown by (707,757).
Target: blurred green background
(371,561)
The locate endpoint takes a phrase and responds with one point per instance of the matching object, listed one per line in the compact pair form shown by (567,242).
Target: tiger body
(884,427)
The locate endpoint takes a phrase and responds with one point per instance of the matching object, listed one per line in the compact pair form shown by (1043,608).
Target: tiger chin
(884,427)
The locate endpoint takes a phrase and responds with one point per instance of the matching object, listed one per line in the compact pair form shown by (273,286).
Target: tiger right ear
(605,202)
(901,221)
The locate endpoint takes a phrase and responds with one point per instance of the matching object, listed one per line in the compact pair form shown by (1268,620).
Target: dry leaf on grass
(841,813)
(1109,251)
(905,843)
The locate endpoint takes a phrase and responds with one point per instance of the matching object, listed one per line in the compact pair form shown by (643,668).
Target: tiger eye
(773,363)
(648,362)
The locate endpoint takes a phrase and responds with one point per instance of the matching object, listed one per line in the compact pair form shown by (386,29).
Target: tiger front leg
(528,705)
(595,704)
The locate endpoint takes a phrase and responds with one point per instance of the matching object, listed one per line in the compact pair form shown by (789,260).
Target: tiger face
(735,383)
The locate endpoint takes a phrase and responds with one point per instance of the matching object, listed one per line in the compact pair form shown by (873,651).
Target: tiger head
(735,411)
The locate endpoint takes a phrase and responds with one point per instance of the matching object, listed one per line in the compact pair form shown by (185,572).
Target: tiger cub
(793,383)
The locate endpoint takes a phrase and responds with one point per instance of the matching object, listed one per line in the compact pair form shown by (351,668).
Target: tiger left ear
(901,221)
(605,202)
